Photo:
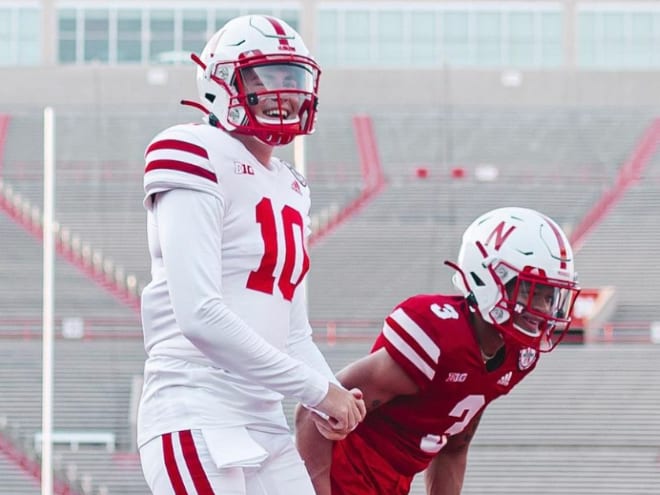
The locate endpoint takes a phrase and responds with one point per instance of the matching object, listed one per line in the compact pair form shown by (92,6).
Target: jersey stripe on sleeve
(407,351)
(177,144)
(181,167)
(409,326)
(174,154)
(412,342)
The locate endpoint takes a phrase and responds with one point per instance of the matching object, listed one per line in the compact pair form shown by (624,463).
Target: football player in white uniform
(225,321)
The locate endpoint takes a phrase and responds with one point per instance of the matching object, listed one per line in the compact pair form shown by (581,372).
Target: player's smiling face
(272,92)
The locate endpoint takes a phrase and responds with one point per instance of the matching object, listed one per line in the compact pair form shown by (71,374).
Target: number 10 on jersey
(263,278)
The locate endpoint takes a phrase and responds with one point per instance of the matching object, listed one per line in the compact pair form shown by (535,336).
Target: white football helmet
(256,77)
(515,266)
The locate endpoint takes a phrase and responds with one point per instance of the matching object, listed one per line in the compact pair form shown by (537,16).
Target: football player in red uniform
(441,359)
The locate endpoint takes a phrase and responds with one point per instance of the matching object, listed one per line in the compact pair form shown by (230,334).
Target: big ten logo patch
(242,168)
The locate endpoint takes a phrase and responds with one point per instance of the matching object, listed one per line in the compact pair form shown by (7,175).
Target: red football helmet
(256,77)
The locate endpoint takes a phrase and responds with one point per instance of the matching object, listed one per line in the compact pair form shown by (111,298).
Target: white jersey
(224,317)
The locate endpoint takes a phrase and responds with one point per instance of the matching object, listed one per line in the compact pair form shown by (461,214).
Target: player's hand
(344,408)
(324,428)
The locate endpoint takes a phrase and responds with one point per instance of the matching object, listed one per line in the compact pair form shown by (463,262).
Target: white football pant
(180,463)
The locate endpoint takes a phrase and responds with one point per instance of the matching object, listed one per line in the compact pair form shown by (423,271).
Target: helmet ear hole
(478,282)
(210,97)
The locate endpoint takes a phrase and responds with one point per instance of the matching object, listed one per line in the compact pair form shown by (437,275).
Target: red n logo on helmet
(500,235)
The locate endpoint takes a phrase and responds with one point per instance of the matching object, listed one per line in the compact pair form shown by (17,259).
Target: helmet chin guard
(516,267)
(256,77)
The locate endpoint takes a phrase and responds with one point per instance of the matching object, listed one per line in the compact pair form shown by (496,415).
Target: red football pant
(359,470)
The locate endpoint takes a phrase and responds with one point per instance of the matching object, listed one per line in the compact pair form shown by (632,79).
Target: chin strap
(194,104)
(213,120)
(195,58)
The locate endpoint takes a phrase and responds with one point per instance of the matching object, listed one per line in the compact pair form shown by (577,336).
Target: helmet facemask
(274,101)
(538,308)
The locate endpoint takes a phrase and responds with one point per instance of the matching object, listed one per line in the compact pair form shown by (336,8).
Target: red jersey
(431,338)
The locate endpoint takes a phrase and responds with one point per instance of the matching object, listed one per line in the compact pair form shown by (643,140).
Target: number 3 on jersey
(465,410)
(263,278)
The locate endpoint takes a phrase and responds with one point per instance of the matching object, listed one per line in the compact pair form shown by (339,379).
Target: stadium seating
(535,144)
(556,160)
(396,247)
(14,481)
(584,423)
(621,251)
(21,259)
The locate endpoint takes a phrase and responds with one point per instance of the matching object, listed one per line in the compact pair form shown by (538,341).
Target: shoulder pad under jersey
(177,158)
(410,339)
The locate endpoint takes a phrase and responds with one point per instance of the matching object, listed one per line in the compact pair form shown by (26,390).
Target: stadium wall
(163,86)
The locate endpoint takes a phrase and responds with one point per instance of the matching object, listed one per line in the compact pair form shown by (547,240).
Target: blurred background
(431,113)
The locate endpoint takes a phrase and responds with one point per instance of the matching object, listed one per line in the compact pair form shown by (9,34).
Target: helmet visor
(294,77)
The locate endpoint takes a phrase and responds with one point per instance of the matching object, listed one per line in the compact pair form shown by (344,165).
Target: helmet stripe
(563,254)
(281,33)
